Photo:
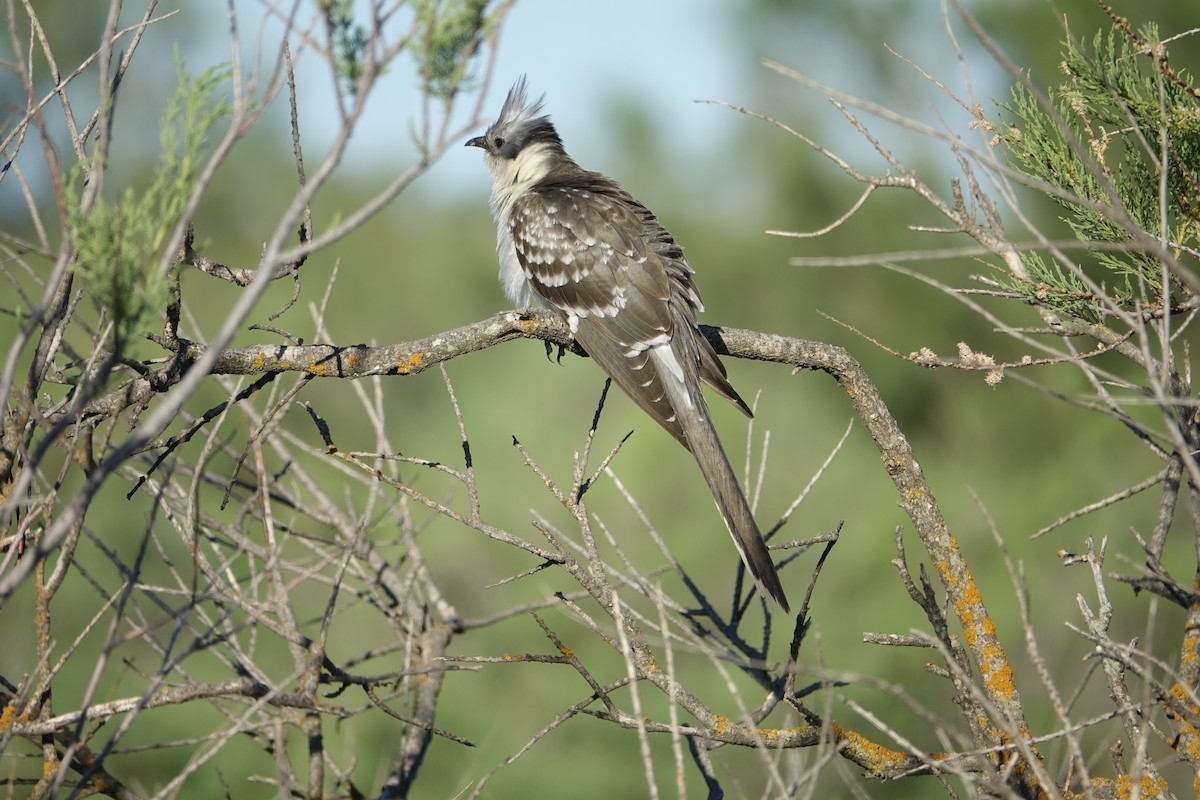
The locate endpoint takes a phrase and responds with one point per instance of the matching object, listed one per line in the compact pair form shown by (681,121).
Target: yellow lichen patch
(1191,642)
(567,652)
(6,716)
(1000,681)
(970,593)
(768,735)
(993,652)
(879,759)
(413,361)
(1123,785)
(317,368)
(970,601)
(720,724)
(1181,693)
(527,326)
(1188,740)
(258,363)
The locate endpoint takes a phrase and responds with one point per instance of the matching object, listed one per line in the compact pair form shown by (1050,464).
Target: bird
(575,242)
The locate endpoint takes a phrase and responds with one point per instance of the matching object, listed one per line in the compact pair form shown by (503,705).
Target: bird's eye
(498,142)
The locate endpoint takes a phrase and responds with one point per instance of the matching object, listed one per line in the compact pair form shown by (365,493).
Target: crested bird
(575,242)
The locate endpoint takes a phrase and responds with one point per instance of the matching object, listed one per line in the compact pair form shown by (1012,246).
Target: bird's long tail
(692,415)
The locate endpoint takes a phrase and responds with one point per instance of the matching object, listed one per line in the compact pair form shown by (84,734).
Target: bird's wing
(685,302)
(605,262)
(584,255)
(593,253)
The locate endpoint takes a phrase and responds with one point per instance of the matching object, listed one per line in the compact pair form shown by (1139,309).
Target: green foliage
(448,33)
(1120,116)
(1052,285)
(120,244)
(449,39)
(349,42)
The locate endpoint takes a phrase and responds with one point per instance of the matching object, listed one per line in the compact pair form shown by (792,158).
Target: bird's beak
(478,141)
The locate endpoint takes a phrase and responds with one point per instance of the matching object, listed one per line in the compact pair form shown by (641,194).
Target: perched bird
(576,242)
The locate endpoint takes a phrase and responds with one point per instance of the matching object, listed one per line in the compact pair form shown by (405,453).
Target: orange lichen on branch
(1184,696)
(1146,787)
(769,735)
(1123,786)
(979,634)
(412,362)
(1187,742)
(949,577)
(1187,655)
(1190,649)
(875,757)
(967,606)
(1000,678)
(729,730)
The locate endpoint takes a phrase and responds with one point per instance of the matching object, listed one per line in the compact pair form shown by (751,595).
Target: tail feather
(664,381)
(691,413)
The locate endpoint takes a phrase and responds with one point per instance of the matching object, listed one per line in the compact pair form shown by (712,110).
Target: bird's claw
(550,348)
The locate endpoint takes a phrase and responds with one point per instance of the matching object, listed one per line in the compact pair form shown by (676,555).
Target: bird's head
(521,144)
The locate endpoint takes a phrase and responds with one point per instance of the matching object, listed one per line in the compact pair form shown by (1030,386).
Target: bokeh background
(621,81)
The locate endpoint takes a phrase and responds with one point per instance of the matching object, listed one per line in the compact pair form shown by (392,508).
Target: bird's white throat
(515,176)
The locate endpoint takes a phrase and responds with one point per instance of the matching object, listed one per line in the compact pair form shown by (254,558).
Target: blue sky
(671,54)
(657,55)
(583,56)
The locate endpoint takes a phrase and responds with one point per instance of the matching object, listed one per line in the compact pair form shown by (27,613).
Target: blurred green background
(717,181)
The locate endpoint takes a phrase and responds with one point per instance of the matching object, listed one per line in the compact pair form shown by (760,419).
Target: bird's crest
(520,123)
